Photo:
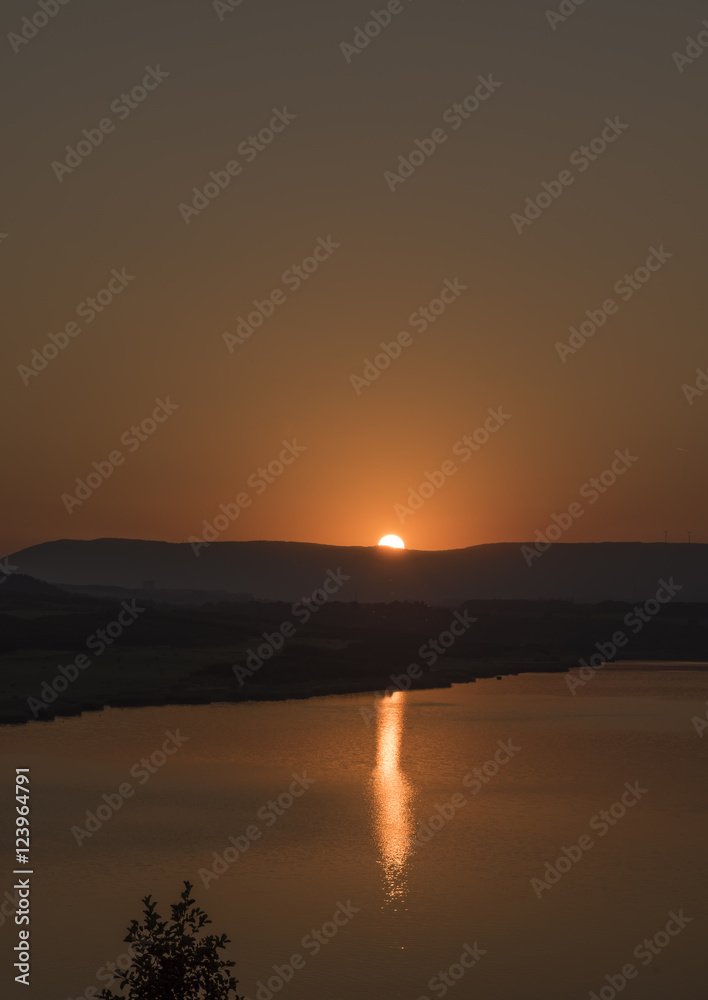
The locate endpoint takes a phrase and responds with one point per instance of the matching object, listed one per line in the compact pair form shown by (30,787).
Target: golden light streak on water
(393,797)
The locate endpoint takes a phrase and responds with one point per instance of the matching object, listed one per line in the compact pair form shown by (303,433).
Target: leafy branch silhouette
(171,961)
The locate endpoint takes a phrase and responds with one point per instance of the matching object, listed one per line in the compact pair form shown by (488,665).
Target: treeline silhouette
(187,654)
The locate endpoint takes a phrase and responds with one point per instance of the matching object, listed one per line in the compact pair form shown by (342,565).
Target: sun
(392,542)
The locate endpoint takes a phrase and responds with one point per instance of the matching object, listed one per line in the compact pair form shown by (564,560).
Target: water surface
(380,768)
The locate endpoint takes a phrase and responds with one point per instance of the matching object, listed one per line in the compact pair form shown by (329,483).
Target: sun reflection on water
(393,797)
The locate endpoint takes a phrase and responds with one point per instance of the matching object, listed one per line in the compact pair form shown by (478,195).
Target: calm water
(349,838)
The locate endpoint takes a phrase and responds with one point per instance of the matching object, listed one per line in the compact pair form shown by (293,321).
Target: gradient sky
(324,177)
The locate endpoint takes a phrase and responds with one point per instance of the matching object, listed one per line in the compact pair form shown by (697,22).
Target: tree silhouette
(171,961)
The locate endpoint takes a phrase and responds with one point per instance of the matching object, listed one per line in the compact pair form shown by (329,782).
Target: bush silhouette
(171,961)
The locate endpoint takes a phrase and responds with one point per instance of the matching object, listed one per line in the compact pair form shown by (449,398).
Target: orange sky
(322,178)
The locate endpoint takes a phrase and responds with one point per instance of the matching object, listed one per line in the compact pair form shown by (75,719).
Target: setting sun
(392,541)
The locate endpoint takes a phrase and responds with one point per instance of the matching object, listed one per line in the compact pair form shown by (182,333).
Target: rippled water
(408,898)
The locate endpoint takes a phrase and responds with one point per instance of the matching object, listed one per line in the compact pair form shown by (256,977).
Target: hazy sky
(327,175)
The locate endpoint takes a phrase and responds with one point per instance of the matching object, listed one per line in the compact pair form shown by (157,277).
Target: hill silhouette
(284,571)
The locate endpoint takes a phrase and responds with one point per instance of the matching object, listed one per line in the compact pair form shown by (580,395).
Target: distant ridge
(583,572)
(21,583)
(19,591)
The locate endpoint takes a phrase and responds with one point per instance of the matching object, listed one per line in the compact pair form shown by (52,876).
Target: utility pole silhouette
(689,535)
(666,536)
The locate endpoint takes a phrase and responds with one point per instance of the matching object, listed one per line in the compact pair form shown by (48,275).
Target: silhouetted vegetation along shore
(174,655)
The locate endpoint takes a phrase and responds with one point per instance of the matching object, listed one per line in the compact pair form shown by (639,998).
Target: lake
(406,847)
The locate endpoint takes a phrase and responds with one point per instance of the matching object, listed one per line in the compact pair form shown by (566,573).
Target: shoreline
(215,684)
(192,690)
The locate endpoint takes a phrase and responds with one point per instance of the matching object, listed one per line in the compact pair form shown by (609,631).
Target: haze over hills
(286,571)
